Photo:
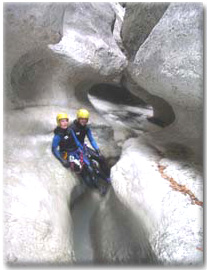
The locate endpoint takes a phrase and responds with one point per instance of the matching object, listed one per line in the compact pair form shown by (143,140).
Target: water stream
(82,212)
(128,116)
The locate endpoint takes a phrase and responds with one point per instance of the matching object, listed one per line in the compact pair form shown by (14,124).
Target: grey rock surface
(139,20)
(169,228)
(169,65)
(88,40)
(123,239)
(29,27)
(42,68)
(162,110)
(119,11)
(37,222)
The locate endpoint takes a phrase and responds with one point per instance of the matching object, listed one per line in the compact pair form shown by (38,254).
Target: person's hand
(65,163)
(98,152)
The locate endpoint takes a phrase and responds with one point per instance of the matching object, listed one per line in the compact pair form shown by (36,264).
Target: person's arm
(92,140)
(79,145)
(55,144)
(56,152)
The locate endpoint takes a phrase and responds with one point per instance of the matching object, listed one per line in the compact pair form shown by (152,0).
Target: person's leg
(87,172)
(77,167)
(93,176)
(89,177)
(73,159)
(86,178)
(104,169)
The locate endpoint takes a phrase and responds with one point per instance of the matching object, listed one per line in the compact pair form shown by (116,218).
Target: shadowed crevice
(115,94)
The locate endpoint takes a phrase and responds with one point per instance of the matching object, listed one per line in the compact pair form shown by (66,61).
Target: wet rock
(119,236)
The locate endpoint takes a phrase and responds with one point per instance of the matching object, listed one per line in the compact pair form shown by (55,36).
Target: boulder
(168,219)
(88,41)
(46,56)
(29,28)
(168,65)
(139,20)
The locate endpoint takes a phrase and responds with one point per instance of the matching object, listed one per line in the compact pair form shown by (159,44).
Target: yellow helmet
(83,113)
(61,116)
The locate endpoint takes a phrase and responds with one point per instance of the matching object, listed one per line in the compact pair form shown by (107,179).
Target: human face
(83,121)
(64,123)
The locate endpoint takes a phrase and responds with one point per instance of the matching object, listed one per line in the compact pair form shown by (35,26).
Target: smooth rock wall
(139,20)
(169,65)
(169,227)
(168,70)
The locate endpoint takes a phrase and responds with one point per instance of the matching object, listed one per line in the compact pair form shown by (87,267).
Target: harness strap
(81,158)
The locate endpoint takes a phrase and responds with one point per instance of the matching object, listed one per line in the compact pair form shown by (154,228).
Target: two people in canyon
(69,147)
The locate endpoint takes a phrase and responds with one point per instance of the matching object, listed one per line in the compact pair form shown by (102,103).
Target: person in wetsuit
(69,151)
(64,145)
(80,130)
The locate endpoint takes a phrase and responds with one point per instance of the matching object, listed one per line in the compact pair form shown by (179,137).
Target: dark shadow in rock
(115,94)
(127,115)
(178,152)
(30,77)
(156,121)
(127,235)
(76,194)
(163,112)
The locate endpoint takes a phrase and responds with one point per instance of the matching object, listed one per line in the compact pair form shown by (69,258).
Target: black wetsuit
(80,132)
